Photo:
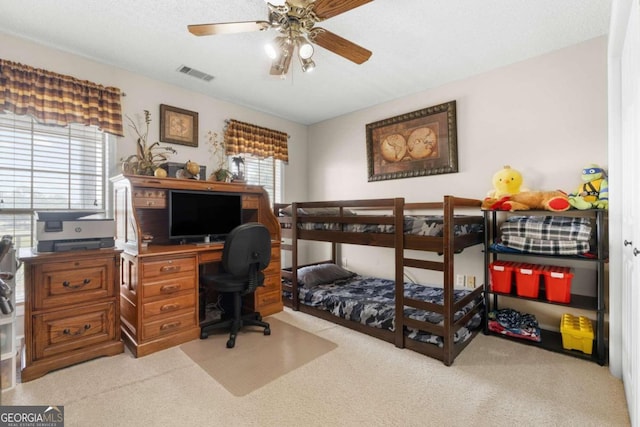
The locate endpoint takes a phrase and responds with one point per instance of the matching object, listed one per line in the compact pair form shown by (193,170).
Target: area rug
(256,359)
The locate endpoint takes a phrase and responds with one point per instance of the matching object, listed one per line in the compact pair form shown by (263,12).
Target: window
(265,172)
(47,168)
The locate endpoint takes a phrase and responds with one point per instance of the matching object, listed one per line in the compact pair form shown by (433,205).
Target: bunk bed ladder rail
(448,253)
(398,243)
(447,330)
(295,299)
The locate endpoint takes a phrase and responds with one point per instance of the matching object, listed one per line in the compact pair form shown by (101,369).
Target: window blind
(265,172)
(47,168)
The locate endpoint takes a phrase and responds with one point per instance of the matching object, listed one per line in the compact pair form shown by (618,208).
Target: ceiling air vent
(195,73)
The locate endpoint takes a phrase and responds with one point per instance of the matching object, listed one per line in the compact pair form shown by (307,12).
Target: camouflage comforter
(419,225)
(370,301)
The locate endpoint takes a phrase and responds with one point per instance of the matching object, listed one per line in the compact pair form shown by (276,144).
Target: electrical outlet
(470,281)
(459,280)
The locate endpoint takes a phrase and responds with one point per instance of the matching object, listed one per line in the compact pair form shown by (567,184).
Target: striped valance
(57,99)
(245,138)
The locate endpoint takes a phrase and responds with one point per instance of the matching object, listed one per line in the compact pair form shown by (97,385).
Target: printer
(60,231)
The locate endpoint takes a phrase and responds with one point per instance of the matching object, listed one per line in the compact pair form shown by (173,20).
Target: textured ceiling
(416,45)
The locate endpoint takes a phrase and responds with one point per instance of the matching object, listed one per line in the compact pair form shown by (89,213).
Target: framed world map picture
(419,143)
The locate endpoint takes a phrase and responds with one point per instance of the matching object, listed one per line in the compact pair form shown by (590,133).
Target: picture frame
(419,143)
(178,126)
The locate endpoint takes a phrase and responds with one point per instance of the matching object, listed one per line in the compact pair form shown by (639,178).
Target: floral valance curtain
(57,99)
(244,138)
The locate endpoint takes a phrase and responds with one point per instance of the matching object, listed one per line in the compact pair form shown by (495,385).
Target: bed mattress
(371,301)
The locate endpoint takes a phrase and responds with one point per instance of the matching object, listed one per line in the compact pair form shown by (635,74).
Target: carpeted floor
(363,381)
(256,359)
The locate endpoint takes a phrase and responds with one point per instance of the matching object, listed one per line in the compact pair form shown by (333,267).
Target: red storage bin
(528,280)
(501,276)
(558,283)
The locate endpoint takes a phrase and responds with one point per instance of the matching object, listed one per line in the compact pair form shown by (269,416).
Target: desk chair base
(235,323)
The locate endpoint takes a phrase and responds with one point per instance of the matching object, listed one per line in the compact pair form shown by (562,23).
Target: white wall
(146,94)
(546,117)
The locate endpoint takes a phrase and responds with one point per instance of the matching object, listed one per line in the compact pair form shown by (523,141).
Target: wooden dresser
(72,311)
(159,281)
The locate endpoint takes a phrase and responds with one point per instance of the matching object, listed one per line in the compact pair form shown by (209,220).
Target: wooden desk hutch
(159,282)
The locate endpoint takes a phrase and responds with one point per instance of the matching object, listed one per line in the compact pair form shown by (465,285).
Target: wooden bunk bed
(391,223)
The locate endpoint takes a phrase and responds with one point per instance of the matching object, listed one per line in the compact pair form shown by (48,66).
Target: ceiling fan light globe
(271,50)
(305,50)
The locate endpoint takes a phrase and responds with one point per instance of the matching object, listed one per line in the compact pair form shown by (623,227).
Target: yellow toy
(506,182)
(555,201)
(509,195)
(594,192)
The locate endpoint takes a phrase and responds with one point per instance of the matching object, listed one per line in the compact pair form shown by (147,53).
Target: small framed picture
(178,126)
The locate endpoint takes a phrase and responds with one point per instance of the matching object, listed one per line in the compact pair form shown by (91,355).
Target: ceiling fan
(295,20)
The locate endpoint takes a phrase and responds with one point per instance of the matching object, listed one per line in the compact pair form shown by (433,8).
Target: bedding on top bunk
(371,302)
(419,225)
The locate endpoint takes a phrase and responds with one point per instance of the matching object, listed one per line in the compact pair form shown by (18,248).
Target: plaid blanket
(547,227)
(548,235)
(546,247)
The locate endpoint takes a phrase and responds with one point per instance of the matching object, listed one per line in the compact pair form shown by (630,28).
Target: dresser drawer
(274,264)
(167,267)
(66,330)
(264,297)
(250,201)
(168,325)
(64,283)
(271,283)
(169,306)
(149,198)
(169,286)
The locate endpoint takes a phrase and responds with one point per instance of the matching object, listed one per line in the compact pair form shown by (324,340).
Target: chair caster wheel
(267,331)
(204,335)
(231,343)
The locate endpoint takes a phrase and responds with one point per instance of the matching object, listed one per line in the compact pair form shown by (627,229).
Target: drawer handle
(169,268)
(78,332)
(168,307)
(170,288)
(150,203)
(67,284)
(171,325)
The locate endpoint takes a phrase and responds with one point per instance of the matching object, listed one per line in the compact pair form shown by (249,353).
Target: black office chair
(247,251)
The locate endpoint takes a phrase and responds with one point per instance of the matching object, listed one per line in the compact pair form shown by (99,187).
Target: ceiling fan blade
(228,28)
(340,46)
(325,9)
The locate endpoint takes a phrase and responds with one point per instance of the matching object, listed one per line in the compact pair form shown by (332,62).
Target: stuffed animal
(594,192)
(506,182)
(556,201)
